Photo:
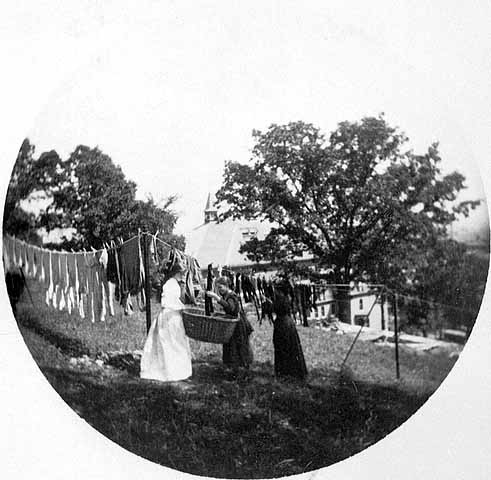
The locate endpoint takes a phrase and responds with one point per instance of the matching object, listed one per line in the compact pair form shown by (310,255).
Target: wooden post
(382,313)
(396,337)
(148,286)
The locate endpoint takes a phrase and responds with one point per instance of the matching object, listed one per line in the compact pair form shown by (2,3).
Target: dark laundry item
(82,274)
(245,288)
(289,360)
(250,293)
(238,285)
(209,287)
(259,285)
(112,272)
(267,310)
(237,352)
(268,289)
(130,267)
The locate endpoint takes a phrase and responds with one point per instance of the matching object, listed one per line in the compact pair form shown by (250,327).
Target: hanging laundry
(209,287)
(94,287)
(7,255)
(113,276)
(107,290)
(131,267)
(31,259)
(238,284)
(83,284)
(55,278)
(17,254)
(27,261)
(64,282)
(48,276)
(112,271)
(191,274)
(38,264)
(72,290)
(132,274)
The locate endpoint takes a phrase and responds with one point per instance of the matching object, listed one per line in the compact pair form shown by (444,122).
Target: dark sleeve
(230,305)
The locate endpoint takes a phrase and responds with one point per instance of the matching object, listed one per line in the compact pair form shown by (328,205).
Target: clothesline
(93,249)
(100,250)
(429,302)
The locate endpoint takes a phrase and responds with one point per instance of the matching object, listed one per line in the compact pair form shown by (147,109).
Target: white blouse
(171,295)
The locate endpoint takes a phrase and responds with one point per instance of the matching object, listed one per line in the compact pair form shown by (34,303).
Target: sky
(174,92)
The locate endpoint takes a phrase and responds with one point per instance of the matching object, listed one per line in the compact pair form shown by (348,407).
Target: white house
(363,301)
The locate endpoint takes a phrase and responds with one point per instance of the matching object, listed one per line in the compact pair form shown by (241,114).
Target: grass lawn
(219,426)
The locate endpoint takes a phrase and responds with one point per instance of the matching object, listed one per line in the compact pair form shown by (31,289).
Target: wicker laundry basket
(212,329)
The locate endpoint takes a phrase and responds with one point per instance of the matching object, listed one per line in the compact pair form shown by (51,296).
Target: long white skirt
(166,354)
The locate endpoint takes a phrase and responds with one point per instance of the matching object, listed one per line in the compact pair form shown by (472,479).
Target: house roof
(219,243)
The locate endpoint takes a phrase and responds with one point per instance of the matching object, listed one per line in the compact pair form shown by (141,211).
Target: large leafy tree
(360,201)
(453,278)
(30,179)
(89,194)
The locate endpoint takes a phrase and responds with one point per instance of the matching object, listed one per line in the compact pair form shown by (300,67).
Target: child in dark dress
(288,354)
(237,352)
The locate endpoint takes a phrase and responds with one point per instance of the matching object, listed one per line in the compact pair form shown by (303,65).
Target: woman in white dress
(166,354)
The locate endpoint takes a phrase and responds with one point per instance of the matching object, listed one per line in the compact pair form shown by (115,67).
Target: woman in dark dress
(288,353)
(237,352)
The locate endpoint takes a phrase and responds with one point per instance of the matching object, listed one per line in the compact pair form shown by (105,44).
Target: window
(248,233)
(323,311)
(361,303)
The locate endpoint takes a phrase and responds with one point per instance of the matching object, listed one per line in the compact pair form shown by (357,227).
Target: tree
(358,201)
(448,274)
(89,194)
(29,178)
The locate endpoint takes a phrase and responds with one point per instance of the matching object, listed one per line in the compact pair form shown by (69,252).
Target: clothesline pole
(148,287)
(396,337)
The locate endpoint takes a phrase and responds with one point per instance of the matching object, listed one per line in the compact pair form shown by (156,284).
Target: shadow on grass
(251,426)
(69,346)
